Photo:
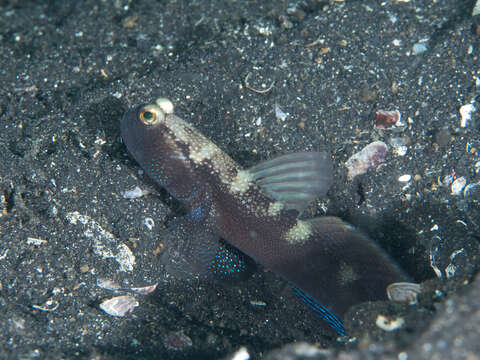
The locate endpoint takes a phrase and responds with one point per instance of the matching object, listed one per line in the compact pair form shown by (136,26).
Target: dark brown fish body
(332,265)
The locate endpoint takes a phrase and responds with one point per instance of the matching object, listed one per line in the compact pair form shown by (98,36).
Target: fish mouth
(129,125)
(129,122)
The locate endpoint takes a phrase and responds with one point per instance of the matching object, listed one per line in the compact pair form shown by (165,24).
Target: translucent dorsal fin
(295,179)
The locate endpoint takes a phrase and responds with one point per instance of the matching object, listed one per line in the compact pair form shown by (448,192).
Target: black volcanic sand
(70,69)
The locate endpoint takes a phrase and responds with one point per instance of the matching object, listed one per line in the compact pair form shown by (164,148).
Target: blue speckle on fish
(239,214)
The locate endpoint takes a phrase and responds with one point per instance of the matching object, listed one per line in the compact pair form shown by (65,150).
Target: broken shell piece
(419,48)
(149,223)
(242,354)
(119,305)
(50,305)
(405,178)
(458,185)
(279,113)
(35,241)
(476,9)
(108,284)
(135,193)
(472,192)
(144,290)
(403,292)
(387,324)
(387,119)
(370,156)
(466,114)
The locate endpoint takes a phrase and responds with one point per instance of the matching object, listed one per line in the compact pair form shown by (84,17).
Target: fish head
(162,144)
(145,133)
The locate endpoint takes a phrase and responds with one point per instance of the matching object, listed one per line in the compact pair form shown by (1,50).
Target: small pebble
(258,303)
(419,48)
(149,223)
(387,324)
(177,341)
(443,137)
(387,119)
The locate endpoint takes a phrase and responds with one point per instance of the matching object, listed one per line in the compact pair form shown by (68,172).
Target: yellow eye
(151,115)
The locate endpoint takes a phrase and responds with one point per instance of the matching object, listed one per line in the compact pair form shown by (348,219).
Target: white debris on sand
(105,244)
(370,156)
(119,305)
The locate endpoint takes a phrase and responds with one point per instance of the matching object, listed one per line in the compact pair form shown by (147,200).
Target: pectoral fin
(194,251)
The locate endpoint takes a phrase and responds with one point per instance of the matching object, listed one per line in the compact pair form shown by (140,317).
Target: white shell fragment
(241,354)
(466,114)
(145,290)
(387,324)
(149,223)
(258,303)
(104,243)
(108,284)
(49,306)
(419,48)
(119,305)
(370,156)
(35,241)
(403,292)
(405,178)
(135,193)
(476,9)
(279,113)
(458,185)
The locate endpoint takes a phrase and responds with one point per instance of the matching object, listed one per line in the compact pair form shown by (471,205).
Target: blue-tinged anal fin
(321,311)
(295,179)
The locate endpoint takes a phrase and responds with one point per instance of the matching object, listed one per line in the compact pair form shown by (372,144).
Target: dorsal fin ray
(295,179)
